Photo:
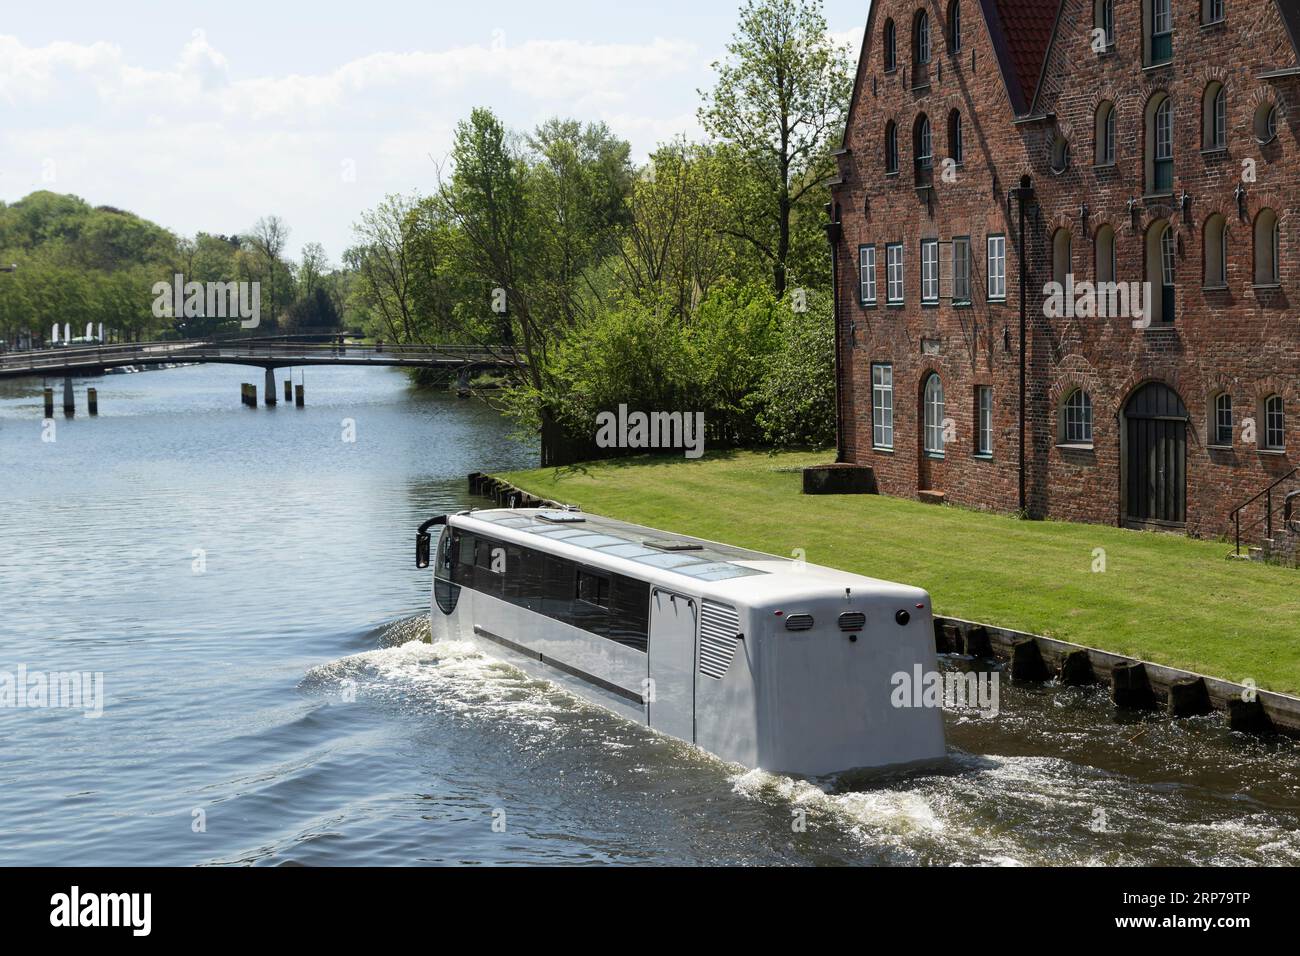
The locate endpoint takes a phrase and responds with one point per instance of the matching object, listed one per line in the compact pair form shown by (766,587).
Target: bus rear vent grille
(799,622)
(719,631)
(852,621)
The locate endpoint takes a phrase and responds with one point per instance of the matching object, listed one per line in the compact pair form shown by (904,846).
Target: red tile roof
(1022,33)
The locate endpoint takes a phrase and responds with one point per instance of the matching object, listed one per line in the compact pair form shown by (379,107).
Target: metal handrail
(91,355)
(1267,494)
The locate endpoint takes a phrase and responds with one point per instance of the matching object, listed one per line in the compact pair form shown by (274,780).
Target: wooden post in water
(270,387)
(49,402)
(288,388)
(92,401)
(298,396)
(69,400)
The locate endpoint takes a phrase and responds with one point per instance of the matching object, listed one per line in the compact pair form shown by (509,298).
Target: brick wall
(1243,339)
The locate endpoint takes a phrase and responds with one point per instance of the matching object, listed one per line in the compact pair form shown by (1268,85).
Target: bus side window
(558,588)
(522,584)
(489,567)
(630,612)
(463,572)
(593,588)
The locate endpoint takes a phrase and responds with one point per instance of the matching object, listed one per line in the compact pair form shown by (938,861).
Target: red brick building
(1161,139)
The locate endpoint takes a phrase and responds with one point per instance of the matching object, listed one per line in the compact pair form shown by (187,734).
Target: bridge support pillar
(92,401)
(298,396)
(69,402)
(270,386)
(49,402)
(288,387)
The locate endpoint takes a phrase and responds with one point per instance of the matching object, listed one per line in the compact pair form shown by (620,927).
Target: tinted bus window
(558,594)
(593,588)
(489,567)
(630,613)
(523,577)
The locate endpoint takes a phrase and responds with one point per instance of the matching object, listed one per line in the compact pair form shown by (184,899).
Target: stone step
(930,497)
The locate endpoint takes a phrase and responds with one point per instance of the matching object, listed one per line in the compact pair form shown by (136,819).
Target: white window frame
(923,39)
(1164,130)
(1222,421)
(1220,119)
(882,406)
(867,274)
(1277,249)
(894,274)
(925,145)
(1274,423)
(1168,257)
(984,420)
(1162,17)
(961,294)
(997,268)
(930,271)
(1109,134)
(1076,416)
(934,414)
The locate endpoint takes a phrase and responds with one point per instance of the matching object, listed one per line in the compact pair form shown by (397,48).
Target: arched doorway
(934,425)
(1154,484)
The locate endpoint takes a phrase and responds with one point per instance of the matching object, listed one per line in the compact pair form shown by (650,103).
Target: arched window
(1076,419)
(1060,154)
(891,147)
(1160,144)
(1214,117)
(1221,427)
(1105,254)
(1158,27)
(891,46)
(954,26)
(1061,242)
(921,38)
(1266,122)
(1216,252)
(922,148)
(1103,18)
(1161,258)
(956,148)
(1274,424)
(1267,252)
(933,415)
(1104,134)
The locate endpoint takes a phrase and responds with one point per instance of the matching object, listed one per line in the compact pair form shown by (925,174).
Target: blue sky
(206,116)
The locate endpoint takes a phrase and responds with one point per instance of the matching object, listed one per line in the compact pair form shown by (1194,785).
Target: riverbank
(1163,598)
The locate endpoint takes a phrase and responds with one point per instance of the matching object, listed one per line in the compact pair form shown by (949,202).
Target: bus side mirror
(422,541)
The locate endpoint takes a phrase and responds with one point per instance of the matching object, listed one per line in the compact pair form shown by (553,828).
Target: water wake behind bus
(1037,806)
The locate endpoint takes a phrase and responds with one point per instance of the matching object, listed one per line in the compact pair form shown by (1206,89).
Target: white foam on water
(450,675)
(886,815)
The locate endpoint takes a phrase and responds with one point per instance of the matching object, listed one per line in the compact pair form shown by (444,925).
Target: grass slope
(1162,597)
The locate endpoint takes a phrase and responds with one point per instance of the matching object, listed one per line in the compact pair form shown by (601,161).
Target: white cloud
(192,145)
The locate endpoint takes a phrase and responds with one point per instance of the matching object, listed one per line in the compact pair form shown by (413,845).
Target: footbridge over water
(269,354)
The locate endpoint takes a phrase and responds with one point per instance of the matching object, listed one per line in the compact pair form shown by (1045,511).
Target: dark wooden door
(1156,456)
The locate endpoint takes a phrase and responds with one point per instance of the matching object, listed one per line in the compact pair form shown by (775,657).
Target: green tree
(780,100)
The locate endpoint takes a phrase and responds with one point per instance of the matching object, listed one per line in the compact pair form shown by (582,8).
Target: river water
(244,582)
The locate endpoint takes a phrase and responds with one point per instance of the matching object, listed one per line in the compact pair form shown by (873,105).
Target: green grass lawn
(1162,597)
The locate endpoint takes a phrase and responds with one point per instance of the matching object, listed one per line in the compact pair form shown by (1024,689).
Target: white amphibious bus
(760,660)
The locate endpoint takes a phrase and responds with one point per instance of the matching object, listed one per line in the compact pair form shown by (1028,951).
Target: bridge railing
(198,350)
